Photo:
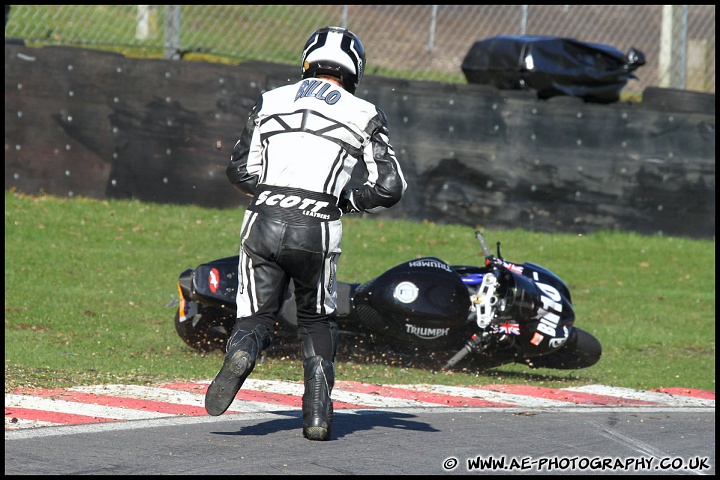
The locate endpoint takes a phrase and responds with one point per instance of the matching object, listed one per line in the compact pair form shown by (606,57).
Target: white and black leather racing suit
(295,157)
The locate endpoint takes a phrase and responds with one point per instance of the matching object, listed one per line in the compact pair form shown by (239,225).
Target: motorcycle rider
(295,157)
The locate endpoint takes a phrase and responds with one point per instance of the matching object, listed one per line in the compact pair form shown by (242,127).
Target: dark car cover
(552,66)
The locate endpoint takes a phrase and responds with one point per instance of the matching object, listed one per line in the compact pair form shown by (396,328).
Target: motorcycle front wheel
(582,350)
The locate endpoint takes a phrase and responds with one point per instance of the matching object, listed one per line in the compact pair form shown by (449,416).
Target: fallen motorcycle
(496,314)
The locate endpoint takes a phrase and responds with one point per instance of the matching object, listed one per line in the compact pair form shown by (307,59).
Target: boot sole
(320,433)
(227,383)
(316,433)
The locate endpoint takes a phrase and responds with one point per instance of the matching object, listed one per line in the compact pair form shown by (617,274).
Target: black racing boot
(317,408)
(243,348)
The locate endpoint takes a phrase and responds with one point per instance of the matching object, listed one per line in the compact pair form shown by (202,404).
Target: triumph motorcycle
(489,315)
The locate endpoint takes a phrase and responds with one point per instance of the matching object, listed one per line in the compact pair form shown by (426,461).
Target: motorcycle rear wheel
(208,332)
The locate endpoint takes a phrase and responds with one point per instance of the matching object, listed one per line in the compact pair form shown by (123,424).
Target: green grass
(87,285)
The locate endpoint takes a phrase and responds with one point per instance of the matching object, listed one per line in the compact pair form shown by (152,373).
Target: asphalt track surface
(378,430)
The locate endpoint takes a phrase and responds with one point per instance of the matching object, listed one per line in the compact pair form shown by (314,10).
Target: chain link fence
(416,42)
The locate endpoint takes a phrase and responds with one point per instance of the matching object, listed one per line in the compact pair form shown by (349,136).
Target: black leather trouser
(273,253)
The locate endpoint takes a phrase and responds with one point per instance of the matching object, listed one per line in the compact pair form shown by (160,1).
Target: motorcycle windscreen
(419,300)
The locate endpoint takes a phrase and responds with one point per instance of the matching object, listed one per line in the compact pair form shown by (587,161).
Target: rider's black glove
(347,203)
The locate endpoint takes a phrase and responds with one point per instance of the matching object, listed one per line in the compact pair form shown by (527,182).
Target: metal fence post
(171,49)
(142,28)
(673,46)
(433,20)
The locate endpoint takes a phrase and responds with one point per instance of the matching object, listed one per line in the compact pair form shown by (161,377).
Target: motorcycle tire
(582,350)
(207,334)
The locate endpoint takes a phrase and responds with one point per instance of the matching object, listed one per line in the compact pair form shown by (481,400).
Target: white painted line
(247,406)
(77,408)
(274,386)
(338,395)
(153,394)
(489,395)
(659,397)
(22,423)
(178,397)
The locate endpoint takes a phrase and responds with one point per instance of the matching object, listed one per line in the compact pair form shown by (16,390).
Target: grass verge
(87,284)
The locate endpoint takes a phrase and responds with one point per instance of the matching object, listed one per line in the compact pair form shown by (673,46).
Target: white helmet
(334,51)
